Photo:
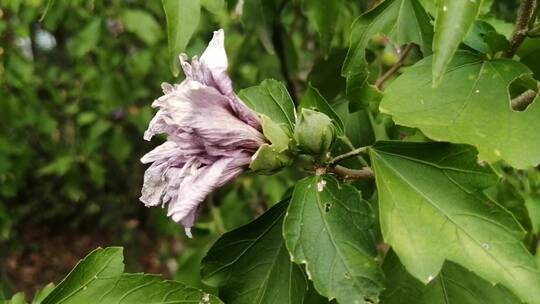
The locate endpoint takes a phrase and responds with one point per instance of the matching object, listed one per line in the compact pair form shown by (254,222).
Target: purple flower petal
(211,70)
(211,136)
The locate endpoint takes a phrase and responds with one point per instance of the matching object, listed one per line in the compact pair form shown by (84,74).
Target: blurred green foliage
(75,95)
(76,92)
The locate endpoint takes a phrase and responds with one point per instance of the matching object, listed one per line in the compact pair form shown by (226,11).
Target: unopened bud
(314,132)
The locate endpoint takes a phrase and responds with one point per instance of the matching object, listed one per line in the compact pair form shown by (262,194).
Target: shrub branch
(521,28)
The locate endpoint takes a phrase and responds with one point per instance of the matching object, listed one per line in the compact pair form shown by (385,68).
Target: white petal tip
(215,56)
(219,32)
(188,233)
(167,88)
(147,135)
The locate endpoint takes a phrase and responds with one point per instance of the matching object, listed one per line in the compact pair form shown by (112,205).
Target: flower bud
(314,132)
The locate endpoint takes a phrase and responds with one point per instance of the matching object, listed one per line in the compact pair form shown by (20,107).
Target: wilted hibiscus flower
(211,136)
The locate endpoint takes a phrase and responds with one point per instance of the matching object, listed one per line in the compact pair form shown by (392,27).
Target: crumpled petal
(211,136)
(211,70)
(200,110)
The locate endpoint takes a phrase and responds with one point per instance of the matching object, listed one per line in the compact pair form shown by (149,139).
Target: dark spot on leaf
(489,204)
(327,207)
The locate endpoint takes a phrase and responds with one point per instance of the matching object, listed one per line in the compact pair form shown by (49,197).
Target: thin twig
(349,154)
(521,27)
(352,174)
(380,82)
(521,102)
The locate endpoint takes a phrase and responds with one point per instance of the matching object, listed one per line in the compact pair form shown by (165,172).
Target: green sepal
(268,159)
(277,133)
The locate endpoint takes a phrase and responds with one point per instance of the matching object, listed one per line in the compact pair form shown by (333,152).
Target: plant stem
(349,154)
(521,27)
(521,102)
(380,82)
(352,174)
(281,53)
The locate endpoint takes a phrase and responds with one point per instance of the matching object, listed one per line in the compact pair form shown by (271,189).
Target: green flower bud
(314,132)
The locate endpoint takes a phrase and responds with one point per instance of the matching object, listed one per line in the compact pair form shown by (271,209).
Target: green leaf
(404,21)
(17,298)
(326,74)
(214,6)
(471,106)
(313,100)
(358,128)
(141,24)
(86,40)
(99,278)
(104,263)
(532,203)
(475,37)
(59,166)
(43,293)
(528,54)
(453,285)
(258,15)
(431,6)
(271,99)
(454,19)
(138,288)
(50,5)
(323,16)
(251,264)
(182,21)
(327,228)
(432,209)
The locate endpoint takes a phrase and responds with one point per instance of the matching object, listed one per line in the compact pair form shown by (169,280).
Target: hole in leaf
(327,207)
(522,92)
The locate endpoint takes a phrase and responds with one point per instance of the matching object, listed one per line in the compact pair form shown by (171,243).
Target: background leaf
(471,106)
(142,24)
(403,21)
(87,39)
(323,15)
(182,21)
(454,19)
(214,6)
(327,228)
(432,209)
(258,15)
(252,265)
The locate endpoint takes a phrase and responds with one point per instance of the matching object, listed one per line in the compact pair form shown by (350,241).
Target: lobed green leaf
(327,228)
(432,209)
(471,106)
